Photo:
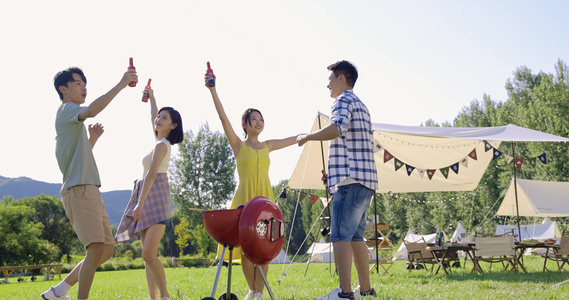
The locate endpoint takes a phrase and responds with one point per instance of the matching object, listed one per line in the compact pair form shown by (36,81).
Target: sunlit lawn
(290,282)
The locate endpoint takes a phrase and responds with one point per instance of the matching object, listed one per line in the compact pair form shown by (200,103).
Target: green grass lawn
(196,283)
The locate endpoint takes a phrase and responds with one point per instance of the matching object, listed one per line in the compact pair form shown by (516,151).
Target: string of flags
(313,198)
(455,167)
(415,200)
(517,161)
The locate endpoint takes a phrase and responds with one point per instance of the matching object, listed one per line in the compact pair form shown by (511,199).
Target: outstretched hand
(150,92)
(96,130)
(128,77)
(301,139)
(206,79)
(324,178)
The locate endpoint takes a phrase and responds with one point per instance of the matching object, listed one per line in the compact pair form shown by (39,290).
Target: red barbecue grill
(257,227)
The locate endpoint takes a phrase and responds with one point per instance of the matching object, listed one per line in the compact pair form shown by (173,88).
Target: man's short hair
(346,68)
(65,76)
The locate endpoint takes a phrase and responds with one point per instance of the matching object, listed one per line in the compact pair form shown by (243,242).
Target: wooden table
(9,270)
(445,254)
(522,247)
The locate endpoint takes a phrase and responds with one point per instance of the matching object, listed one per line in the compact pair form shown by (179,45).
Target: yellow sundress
(253,170)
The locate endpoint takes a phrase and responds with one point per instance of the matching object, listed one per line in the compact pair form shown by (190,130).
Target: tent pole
(375,217)
(326,190)
(310,256)
(516,194)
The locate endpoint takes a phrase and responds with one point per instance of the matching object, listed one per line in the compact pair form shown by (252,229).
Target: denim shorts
(349,207)
(165,222)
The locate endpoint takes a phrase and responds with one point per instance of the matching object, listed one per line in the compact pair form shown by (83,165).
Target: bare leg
(259,283)
(361,261)
(150,239)
(97,253)
(249,272)
(343,257)
(152,287)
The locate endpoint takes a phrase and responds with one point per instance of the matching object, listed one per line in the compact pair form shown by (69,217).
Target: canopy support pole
(516,194)
(326,190)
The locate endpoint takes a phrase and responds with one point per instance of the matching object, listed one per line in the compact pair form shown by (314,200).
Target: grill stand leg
(266,282)
(228,295)
(219,265)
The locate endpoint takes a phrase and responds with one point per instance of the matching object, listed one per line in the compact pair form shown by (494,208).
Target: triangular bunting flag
(431,172)
(445,172)
(377,147)
(472,154)
(409,169)
(302,195)
(313,199)
(464,162)
(387,156)
(497,153)
(543,158)
(518,162)
(283,194)
(454,168)
(487,146)
(398,164)
(421,172)
(325,201)
(509,158)
(532,161)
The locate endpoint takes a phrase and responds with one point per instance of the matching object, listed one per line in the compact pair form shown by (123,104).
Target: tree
(57,229)
(183,233)
(20,239)
(204,242)
(203,176)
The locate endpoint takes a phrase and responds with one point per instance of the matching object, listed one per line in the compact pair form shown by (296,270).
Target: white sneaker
(166,298)
(369,294)
(258,296)
(50,295)
(336,294)
(250,295)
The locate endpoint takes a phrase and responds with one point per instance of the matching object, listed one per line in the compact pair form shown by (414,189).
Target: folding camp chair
(560,255)
(498,249)
(417,253)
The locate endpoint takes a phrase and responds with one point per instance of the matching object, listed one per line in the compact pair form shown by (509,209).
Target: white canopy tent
(321,252)
(401,253)
(539,232)
(459,236)
(423,153)
(536,199)
(433,159)
(282,258)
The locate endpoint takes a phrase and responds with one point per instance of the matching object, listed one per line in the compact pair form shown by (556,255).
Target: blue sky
(417,60)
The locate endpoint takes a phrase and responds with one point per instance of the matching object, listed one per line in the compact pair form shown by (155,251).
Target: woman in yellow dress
(252,157)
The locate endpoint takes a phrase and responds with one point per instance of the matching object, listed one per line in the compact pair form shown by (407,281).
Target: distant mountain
(18,188)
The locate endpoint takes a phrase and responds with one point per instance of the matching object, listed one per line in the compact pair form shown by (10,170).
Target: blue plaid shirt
(351,154)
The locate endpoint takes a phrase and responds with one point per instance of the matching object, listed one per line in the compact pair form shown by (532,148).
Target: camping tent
(536,199)
(282,258)
(459,235)
(321,252)
(534,231)
(411,237)
(420,159)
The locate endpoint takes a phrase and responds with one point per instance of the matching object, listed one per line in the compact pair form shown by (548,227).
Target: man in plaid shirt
(352,179)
